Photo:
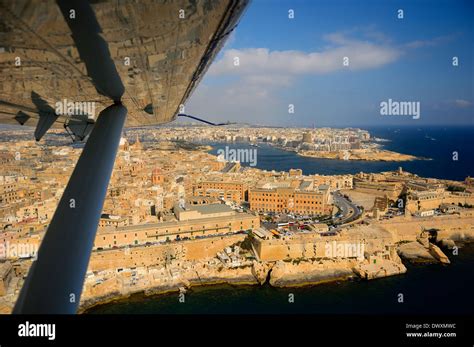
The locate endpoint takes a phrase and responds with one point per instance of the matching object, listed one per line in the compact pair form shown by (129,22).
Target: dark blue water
(436,143)
(427,289)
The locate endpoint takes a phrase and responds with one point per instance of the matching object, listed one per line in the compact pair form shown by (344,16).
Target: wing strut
(55,280)
(54,283)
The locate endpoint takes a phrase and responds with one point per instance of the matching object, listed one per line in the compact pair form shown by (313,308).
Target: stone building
(291,200)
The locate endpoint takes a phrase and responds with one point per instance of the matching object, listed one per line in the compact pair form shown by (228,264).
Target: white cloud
(462,103)
(237,102)
(432,42)
(263,62)
(262,73)
(253,89)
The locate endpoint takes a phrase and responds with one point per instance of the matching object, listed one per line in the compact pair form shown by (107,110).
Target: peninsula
(360,154)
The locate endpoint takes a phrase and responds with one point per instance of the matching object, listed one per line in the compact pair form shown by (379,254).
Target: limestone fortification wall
(158,254)
(454,227)
(311,245)
(271,250)
(414,205)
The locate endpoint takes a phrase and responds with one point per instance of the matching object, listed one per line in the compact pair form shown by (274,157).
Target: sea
(424,289)
(448,153)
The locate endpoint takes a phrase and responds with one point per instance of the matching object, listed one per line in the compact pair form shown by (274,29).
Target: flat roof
(148,226)
(206,209)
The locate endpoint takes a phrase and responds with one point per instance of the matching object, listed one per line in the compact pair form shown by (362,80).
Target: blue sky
(299,61)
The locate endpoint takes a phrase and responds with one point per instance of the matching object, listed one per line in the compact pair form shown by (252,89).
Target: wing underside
(160,49)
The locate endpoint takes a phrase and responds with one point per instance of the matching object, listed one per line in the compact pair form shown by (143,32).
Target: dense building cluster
(173,210)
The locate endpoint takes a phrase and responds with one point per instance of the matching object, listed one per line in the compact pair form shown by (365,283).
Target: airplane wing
(160,50)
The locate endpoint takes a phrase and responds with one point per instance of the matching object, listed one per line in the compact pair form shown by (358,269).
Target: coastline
(375,153)
(340,273)
(295,280)
(159,292)
(304,281)
(357,155)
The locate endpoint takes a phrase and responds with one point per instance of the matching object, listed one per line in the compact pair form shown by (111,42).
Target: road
(348,211)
